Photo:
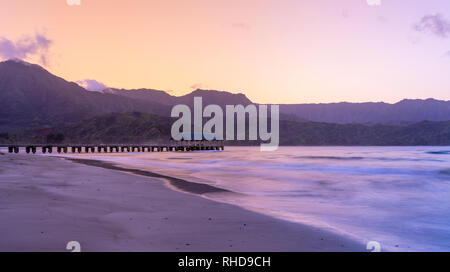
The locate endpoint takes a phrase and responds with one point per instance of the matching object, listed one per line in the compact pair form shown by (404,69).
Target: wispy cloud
(28,46)
(92,85)
(373,2)
(240,25)
(382,19)
(435,24)
(196,86)
(345,14)
(73,2)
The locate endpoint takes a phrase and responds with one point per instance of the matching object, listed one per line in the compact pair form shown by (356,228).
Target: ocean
(396,196)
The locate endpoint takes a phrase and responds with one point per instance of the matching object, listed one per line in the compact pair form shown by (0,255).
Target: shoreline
(181,184)
(51,201)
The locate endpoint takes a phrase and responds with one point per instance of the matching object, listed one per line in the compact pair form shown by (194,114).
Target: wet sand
(46,202)
(183,185)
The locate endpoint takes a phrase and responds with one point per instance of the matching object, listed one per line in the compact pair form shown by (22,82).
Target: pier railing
(113,148)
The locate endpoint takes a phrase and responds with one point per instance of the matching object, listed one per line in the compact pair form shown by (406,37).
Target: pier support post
(62,149)
(125,148)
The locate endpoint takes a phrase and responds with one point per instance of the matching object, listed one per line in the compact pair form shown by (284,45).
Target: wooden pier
(113,148)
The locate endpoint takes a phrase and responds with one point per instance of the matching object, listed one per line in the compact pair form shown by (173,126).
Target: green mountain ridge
(137,127)
(38,106)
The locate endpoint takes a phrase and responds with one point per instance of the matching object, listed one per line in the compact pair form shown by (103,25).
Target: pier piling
(178,147)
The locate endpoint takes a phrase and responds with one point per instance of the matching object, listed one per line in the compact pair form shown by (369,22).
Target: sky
(277,51)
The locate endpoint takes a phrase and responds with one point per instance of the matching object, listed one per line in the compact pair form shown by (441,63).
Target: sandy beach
(46,202)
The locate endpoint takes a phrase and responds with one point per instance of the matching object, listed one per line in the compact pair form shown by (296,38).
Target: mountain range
(139,127)
(405,111)
(32,98)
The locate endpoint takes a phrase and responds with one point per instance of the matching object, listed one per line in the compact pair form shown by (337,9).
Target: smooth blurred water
(398,196)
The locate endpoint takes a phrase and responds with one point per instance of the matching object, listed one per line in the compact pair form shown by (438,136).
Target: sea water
(397,196)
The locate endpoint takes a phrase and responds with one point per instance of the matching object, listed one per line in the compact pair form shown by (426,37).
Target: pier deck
(110,148)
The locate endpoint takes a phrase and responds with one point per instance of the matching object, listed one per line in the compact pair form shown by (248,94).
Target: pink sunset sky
(273,51)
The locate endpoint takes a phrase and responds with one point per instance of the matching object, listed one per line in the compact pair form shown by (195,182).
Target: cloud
(73,2)
(28,46)
(241,25)
(345,14)
(373,2)
(197,86)
(382,19)
(435,24)
(92,85)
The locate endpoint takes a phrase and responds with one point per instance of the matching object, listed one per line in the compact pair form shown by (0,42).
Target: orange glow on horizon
(273,51)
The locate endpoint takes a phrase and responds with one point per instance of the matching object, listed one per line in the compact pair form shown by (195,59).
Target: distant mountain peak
(419,101)
(22,63)
(204,91)
(19,61)
(219,97)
